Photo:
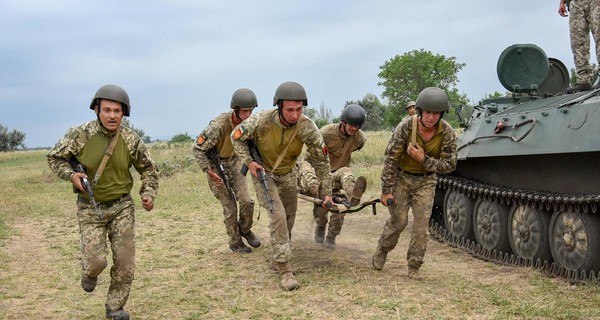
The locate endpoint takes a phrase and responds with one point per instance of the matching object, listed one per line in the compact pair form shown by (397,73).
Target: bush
(10,141)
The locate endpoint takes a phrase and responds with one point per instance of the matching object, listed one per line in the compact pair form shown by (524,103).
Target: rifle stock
(78,167)
(213,155)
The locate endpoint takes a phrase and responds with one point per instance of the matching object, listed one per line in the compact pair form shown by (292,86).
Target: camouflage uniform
(88,143)
(271,137)
(584,16)
(216,135)
(412,185)
(340,148)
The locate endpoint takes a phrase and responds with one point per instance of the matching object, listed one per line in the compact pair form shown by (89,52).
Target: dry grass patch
(186,271)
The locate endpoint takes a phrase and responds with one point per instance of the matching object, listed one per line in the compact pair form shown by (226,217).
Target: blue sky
(180,61)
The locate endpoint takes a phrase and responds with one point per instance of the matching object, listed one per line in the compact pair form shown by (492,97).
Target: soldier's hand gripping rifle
(261,173)
(213,156)
(78,167)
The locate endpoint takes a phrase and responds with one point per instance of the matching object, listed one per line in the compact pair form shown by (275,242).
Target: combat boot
(251,238)
(287,280)
(319,234)
(240,247)
(414,273)
(580,87)
(117,314)
(88,284)
(379,259)
(330,241)
(360,186)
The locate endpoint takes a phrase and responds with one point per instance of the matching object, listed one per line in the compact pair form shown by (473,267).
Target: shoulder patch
(324,148)
(238,132)
(201,139)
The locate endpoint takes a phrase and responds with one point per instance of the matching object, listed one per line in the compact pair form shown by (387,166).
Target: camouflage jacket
(272,137)
(88,143)
(396,150)
(339,146)
(216,134)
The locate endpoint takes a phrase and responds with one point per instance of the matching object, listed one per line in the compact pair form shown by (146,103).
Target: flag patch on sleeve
(324,148)
(238,132)
(201,139)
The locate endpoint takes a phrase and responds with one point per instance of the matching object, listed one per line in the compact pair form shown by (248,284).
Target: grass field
(186,271)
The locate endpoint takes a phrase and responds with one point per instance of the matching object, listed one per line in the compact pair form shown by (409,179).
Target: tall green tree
(404,76)
(11,140)
(374,110)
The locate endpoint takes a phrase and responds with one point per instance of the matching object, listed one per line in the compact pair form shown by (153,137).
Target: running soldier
(213,148)
(279,136)
(341,140)
(106,150)
(419,148)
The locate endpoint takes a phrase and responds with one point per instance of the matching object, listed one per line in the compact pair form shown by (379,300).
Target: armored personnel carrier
(526,189)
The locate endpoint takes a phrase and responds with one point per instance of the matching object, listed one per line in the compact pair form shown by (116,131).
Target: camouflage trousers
(414,192)
(118,225)
(584,16)
(283,194)
(233,227)
(343,179)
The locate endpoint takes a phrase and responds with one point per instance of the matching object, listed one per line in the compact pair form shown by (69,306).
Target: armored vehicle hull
(527,184)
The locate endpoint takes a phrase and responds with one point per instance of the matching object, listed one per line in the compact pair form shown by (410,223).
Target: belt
(108,203)
(425,174)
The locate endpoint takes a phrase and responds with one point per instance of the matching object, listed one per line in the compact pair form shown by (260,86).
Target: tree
(375,112)
(321,117)
(10,141)
(405,76)
(139,131)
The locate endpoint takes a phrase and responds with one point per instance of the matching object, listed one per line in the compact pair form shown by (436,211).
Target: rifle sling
(107,154)
(278,162)
(413,133)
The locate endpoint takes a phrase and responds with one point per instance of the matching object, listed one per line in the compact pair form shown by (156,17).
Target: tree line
(403,77)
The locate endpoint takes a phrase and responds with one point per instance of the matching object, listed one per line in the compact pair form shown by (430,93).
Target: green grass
(186,271)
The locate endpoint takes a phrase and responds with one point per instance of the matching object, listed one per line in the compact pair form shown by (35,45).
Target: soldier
(585,17)
(408,178)
(410,108)
(216,135)
(341,140)
(279,136)
(108,151)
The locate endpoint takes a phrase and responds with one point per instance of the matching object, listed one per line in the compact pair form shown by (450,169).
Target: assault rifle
(261,173)
(78,167)
(213,155)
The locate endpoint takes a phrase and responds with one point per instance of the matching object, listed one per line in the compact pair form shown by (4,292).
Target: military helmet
(411,103)
(354,115)
(433,99)
(244,99)
(290,90)
(112,92)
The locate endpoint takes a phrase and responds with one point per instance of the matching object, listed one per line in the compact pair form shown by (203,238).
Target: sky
(180,61)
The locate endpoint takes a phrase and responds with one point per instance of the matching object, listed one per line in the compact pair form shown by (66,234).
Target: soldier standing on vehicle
(584,17)
(279,136)
(217,136)
(341,140)
(108,150)
(418,149)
